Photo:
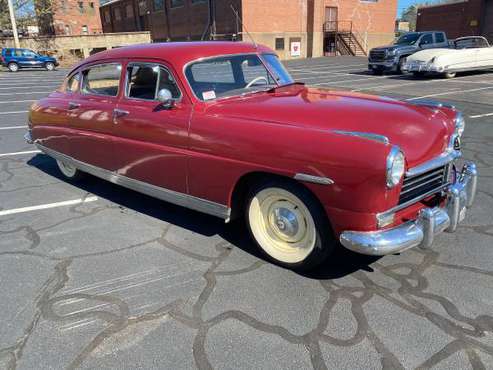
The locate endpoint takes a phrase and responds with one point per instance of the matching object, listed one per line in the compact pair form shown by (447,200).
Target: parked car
(467,54)
(393,57)
(222,128)
(14,59)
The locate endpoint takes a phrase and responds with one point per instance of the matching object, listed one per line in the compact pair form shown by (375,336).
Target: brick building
(294,28)
(68,17)
(469,18)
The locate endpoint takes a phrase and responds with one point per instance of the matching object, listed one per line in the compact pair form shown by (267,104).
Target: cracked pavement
(128,281)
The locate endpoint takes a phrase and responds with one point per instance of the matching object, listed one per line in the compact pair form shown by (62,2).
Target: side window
(427,39)
(439,37)
(73,83)
(8,52)
(102,79)
(145,80)
(29,53)
(17,52)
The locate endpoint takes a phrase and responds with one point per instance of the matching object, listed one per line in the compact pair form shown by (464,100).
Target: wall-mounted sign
(474,23)
(295,48)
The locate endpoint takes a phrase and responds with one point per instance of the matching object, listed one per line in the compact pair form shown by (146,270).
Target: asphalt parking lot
(96,276)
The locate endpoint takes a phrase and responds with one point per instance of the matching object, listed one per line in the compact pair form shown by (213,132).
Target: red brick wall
(69,18)
(457,20)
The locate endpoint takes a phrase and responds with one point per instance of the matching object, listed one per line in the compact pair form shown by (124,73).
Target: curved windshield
(407,39)
(235,75)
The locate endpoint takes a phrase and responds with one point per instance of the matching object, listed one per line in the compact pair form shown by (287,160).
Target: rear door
(151,142)
(90,115)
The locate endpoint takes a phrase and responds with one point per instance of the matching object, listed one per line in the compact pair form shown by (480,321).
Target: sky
(403,4)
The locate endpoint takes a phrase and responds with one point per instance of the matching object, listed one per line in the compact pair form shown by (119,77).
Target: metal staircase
(344,40)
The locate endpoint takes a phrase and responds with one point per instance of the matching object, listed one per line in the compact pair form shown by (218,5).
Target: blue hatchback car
(14,59)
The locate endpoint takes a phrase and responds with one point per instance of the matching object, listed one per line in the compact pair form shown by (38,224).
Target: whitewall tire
(289,225)
(449,74)
(68,171)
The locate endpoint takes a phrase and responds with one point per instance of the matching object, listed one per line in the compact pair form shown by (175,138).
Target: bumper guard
(430,222)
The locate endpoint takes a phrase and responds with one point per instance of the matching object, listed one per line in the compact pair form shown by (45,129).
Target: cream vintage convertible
(465,54)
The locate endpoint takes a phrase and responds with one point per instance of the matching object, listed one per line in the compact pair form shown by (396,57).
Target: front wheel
(13,67)
(289,225)
(400,66)
(449,74)
(49,66)
(69,171)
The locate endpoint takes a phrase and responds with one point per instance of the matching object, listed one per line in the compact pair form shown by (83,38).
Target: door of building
(487,27)
(331,18)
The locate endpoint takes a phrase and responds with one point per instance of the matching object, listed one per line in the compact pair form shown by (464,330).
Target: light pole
(14,25)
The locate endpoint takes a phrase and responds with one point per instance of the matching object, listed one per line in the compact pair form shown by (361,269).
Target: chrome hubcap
(284,222)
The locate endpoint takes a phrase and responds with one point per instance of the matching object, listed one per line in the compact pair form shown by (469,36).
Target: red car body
(207,151)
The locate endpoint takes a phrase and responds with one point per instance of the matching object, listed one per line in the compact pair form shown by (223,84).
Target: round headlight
(396,164)
(460,124)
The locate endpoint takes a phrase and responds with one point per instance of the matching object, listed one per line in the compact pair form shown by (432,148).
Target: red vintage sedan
(222,128)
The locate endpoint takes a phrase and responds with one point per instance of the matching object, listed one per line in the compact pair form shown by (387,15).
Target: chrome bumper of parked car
(422,231)
(422,67)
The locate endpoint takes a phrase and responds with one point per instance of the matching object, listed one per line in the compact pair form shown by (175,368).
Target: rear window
(103,79)
(8,52)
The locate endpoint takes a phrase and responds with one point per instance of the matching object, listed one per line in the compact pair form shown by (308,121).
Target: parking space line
(25,93)
(19,153)
(28,87)
(15,112)
(48,206)
(450,93)
(16,101)
(482,115)
(12,127)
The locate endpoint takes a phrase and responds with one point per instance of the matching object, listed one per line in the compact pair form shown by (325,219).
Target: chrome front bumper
(422,231)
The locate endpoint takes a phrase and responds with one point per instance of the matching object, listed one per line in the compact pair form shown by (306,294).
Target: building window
(279,43)
(118,14)
(85,30)
(81,6)
(129,11)
(198,1)
(369,1)
(176,3)
(158,5)
(91,5)
(106,16)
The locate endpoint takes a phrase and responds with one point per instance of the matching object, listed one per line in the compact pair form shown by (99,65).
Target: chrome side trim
(441,160)
(314,179)
(184,200)
(365,135)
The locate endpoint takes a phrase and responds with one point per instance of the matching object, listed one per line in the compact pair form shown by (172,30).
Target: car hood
(427,55)
(420,131)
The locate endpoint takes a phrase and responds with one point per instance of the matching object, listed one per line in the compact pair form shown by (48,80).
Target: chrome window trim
(365,135)
(126,86)
(68,78)
(83,77)
(181,199)
(186,65)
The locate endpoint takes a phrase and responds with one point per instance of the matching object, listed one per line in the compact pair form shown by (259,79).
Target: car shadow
(341,263)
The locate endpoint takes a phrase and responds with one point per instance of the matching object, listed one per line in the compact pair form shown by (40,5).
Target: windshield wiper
(272,89)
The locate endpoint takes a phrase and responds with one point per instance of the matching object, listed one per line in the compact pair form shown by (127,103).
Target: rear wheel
(289,225)
(13,67)
(449,74)
(49,66)
(69,171)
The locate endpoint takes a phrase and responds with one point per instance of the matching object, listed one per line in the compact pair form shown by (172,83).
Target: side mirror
(165,98)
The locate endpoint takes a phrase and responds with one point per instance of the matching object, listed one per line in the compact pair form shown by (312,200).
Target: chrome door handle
(72,105)
(117,113)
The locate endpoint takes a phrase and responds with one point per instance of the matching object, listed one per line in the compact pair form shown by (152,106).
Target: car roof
(178,53)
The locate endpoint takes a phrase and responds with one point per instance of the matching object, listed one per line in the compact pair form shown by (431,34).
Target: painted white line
(482,115)
(12,127)
(16,101)
(19,153)
(25,93)
(450,93)
(29,87)
(15,112)
(48,206)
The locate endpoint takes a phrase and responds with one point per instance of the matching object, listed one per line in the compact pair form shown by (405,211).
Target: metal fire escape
(342,39)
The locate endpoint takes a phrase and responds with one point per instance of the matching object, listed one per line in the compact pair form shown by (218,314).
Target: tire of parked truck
(13,67)
(402,61)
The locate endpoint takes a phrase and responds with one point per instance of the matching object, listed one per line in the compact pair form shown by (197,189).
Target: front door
(91,113)
(151,141)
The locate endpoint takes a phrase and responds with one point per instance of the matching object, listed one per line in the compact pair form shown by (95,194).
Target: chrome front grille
(416,187)
(377,55)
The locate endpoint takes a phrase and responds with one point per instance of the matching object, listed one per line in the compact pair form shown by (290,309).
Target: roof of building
(178,53)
